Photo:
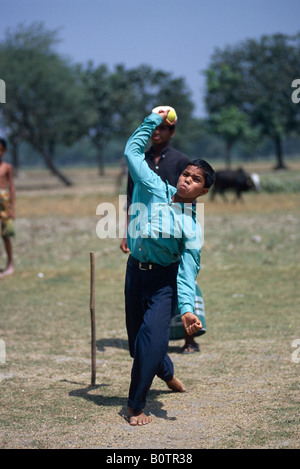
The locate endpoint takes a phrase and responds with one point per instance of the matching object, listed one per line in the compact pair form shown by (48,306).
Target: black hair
(209,173)
(3,143)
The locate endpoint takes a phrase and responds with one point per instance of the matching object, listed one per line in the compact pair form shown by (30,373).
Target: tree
(157,87)
(112,103)
(45,103)
(232,125)
(122,98)
(256,76)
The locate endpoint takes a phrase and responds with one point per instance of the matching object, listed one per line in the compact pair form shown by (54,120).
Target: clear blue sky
(178,36)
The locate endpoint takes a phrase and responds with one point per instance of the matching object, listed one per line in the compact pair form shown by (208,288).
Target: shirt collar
(162,153)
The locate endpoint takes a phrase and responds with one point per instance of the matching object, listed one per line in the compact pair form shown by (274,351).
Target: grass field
(243,386)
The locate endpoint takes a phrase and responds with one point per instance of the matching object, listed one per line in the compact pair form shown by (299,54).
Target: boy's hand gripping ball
(171,117)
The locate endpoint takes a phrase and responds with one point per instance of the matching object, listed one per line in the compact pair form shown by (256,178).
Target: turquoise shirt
(160,231)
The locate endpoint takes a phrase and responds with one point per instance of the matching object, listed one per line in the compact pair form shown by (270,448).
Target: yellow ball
(171,116)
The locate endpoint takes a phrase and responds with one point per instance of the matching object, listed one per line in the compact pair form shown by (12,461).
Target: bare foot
(137,417)
(175,385)
(8,271)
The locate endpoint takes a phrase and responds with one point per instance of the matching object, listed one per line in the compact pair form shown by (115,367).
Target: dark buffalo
(237,180)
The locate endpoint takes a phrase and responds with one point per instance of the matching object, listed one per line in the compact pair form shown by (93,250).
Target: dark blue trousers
(150,298)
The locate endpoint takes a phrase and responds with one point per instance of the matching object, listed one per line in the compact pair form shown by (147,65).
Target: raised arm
(135,149)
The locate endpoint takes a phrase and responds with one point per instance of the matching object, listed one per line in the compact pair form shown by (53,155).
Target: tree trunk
(50,165)
(100,162)
(99,144)
(228,155)
(279,153)
(15,157)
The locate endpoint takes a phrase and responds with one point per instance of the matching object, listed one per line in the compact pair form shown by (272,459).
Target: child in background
(7,208)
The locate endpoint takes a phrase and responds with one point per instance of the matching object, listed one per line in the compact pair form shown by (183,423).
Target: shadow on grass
(101,344)
(154,406)
(114,342)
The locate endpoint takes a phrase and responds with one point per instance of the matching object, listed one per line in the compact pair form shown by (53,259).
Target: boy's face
(162,134)
(2,150)
(191,183)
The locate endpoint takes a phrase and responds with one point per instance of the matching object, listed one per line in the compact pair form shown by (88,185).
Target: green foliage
(121,98)
(44,100)
(256,76)
(72,113)
(232,125)
(45,105)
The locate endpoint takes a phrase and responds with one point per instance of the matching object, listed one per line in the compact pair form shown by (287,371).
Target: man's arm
(123,245)
(129,190)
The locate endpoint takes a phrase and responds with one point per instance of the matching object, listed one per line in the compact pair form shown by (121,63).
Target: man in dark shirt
(168,163)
